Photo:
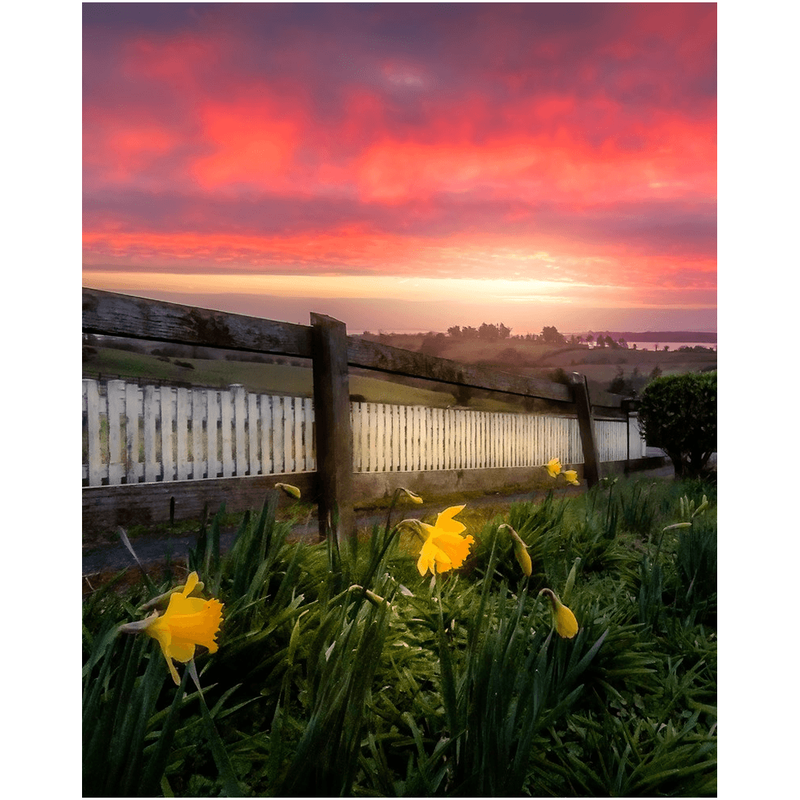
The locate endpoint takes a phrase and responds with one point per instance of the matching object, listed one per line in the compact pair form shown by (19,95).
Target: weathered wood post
(586,425)
(334,436)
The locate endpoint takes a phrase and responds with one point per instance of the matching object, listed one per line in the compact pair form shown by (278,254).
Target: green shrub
(678,413)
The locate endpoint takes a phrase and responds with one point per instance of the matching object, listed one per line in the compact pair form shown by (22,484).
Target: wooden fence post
(334,436)
(586,424)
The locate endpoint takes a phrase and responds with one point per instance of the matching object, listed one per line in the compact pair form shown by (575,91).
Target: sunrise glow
(526,157)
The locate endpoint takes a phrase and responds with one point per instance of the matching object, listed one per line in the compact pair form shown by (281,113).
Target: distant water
(671,345)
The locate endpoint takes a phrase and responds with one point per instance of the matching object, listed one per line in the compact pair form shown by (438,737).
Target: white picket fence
(134,434)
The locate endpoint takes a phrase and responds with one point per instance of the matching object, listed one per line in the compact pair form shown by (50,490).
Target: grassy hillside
(276,375)
(600,365)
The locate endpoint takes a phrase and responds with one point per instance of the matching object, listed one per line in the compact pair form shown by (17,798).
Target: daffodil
(187,622)
(292,491)
(523,557)
(572,477)
(565,622)
(553,467)
(413,496)
(444,548)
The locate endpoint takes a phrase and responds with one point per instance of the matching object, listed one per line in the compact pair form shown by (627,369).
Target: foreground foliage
(342,671)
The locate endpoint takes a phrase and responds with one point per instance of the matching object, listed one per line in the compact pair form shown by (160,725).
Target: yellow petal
(445,522)
(191,581)
(427,558)
(572,477)
(553,467)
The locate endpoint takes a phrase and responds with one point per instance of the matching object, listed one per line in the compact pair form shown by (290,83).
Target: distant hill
(659,336)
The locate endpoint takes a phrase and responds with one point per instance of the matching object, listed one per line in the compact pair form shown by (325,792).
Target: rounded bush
(678,413)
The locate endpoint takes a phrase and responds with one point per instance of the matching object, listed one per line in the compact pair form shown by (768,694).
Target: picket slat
(226,432)
(182,433)
(167,460)
(212,433)
(297,418)
(115,399)
(265,414)
(93,431)
(254,467)
(199,463)
(239,424)
(151,463)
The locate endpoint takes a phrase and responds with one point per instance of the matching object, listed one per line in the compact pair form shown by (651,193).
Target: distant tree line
(549,335)
(489,332)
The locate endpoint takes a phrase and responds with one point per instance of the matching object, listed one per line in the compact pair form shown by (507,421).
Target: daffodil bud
(520,550)
(702,507)
(523,557)
(287,488)
(415,498)
(563,619)
(678,525)
(375,599)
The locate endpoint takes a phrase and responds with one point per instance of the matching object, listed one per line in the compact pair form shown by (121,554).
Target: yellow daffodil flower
(553,467)
(572,477)
(444,548)
(292,491)
(565,622)
(187,622)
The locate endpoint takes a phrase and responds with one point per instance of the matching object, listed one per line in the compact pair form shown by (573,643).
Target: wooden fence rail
(160,435)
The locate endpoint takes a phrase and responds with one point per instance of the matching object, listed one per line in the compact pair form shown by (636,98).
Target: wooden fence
(154,437)
(145,434)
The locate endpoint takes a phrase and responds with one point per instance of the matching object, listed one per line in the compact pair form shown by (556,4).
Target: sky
(406,166)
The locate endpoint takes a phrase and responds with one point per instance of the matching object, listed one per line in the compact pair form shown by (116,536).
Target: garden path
(153,549)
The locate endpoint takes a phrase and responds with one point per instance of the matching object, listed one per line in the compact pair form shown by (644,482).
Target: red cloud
(253,142)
